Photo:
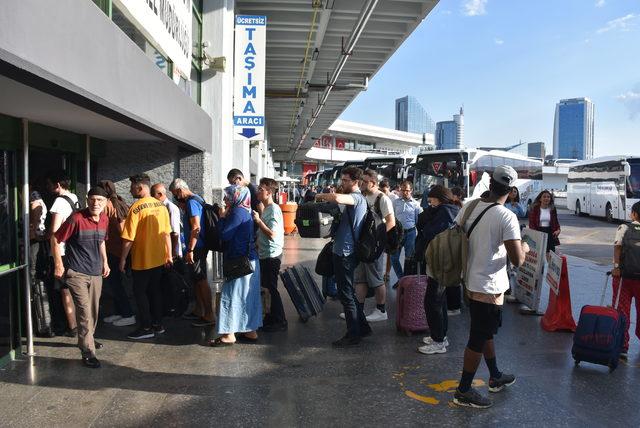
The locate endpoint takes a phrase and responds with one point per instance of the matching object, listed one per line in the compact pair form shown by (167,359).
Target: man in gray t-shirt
(344,255)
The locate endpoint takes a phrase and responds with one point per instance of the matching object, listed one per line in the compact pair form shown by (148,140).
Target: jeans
(148,292)
(454,297)
(409,245)
(269,270)
(344,267)
(121,304)
(435,306)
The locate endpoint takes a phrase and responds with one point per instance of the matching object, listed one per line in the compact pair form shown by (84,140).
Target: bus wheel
(609,213)
(577,211)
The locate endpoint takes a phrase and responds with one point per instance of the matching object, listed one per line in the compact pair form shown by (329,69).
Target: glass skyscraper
(450,133)
(573,129)
(412,117)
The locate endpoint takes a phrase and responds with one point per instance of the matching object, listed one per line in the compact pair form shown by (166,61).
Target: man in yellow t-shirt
(146,234)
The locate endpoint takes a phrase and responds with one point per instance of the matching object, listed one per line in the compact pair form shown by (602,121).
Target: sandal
(246,339)
(219,343)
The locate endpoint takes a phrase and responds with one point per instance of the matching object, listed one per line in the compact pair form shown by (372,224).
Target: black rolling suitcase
(304,291)
(40,309)
(314,219)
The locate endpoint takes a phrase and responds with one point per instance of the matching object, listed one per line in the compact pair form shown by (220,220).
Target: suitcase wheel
(611,368)
(576,363)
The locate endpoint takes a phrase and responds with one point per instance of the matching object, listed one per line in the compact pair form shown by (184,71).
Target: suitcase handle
(604,291)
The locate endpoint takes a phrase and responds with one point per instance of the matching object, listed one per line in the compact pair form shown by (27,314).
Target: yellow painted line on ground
(451,385)
(422,398)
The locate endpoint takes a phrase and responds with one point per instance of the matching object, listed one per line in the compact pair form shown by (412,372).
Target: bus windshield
(633,188)
(439,168)
(386,168)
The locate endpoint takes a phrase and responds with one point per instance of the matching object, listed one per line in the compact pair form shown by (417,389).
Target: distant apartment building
(412,117)
(450,133)
(573,129)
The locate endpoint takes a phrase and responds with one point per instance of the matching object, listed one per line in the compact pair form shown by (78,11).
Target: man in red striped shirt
(85,233)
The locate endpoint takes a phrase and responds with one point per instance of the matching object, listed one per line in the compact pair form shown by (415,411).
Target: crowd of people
(109,239)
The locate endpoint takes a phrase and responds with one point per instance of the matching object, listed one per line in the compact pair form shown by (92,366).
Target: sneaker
(202,323)
(91,362)
(497,385)
(433,348)
(157,329)
(377,315)
(275,327)
(427,340)
(624,355)
(510,298)
(342,316)
(471,398)
(190,316)
(346,341)
(366,331)
(111,318)
(123,322)
(453,312)
(141,333)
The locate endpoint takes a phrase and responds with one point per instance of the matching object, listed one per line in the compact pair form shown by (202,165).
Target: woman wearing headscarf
(438,216)
(116,211)
(240,301)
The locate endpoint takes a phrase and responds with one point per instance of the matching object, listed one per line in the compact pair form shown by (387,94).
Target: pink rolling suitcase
(410,316)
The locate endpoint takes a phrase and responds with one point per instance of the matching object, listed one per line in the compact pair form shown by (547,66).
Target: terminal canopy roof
(305,40)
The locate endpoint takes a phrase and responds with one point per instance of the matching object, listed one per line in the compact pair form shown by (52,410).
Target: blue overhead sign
(249,75)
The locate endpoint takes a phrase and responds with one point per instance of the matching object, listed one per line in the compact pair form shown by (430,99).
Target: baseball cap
(506,175)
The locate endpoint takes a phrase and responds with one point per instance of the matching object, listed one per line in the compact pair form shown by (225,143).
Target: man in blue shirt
(354,209)
(195,255)
(270,243)
(406,210)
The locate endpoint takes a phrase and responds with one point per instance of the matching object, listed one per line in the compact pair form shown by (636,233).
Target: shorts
(198,270)
(370,273)
(485,317)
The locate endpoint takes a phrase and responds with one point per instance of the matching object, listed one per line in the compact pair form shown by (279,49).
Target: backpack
(209,221)
(75,206)
(446,254)
(630,262)
(372,239)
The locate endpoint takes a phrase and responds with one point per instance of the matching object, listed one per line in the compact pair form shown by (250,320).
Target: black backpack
(631,252)
(212,240)
(372,240)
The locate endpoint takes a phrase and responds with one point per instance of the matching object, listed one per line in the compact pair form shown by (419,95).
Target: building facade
(536,150)
(450,133)
(412,117)
(573,136)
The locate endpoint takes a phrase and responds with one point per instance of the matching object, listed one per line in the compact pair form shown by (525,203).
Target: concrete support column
(217,93)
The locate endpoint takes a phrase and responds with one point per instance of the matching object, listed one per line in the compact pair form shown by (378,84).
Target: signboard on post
(249,72)
(529,276)
(554,269)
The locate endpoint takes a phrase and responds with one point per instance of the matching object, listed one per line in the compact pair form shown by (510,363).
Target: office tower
(573,129)
(450,133)
(412,117)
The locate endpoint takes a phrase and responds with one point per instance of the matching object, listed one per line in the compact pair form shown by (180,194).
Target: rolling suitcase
(304,291)
(600,333)
(410,315)
(40,309)
(314,219)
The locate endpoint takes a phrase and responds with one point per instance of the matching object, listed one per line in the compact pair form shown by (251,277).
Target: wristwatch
(189,251)
(616,265)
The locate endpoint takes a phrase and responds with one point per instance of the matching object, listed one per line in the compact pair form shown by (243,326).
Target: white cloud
(600,3)
(475,7)
(631,100)
(498,41)
(624,23)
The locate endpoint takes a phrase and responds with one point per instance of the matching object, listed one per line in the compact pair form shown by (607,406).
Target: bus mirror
(627,169)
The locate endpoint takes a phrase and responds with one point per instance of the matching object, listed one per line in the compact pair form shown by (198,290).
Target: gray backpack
(631,252)
(446,254)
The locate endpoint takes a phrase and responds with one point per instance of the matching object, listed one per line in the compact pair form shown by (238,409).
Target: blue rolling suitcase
(600,333)
(304,291)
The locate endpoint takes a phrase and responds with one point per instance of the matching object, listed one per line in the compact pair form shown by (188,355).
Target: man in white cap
(492,238)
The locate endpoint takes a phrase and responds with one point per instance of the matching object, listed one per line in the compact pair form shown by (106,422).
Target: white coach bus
(471,170)
(604,187)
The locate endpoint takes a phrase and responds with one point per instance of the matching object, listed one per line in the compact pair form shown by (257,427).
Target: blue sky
(509,62)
